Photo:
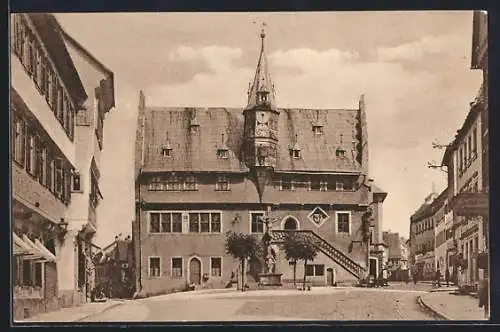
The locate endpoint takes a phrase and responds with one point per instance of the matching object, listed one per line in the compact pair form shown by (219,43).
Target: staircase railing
(351,266)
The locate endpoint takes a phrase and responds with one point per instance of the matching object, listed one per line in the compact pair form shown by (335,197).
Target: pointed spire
(262,89)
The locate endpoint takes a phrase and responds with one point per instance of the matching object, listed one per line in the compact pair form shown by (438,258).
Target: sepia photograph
(249,167)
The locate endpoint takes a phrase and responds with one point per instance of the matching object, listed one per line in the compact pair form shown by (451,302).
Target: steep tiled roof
(49,31)
(393,241)
(194,148)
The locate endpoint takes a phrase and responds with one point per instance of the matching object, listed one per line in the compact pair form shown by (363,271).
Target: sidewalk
(74,314)
(453,307)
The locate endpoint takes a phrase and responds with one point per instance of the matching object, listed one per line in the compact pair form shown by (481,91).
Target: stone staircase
(339,257)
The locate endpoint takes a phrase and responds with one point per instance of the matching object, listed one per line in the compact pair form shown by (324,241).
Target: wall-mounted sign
(471,204)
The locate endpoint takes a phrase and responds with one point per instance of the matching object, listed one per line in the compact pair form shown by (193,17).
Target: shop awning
(20,248)
(37,253)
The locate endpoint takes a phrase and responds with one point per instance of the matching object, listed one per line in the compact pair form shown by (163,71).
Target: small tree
(293,251)
(242,246)
(308,252)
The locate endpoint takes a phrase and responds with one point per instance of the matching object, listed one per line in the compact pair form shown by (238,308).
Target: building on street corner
(397,260)
(467,160)
(201,172)
(60,95)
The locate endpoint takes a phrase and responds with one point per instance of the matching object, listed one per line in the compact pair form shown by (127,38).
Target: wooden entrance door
(330,278)
(374,267)
(195,271)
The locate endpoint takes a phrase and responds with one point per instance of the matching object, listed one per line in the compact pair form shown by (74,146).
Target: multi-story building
(440,235)
(467,159)
(397,262)
(115,268)
(422,238)
(201,172)
(52,217)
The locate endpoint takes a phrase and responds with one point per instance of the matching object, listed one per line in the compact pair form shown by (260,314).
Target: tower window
(340,153)
(318,130)
(222,183)
(294,153)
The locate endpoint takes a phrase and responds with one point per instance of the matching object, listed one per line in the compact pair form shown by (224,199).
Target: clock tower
(261,123)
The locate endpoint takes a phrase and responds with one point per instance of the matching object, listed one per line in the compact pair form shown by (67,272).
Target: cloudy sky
(413,67)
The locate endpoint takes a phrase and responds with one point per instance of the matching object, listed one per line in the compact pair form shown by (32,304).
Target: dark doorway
(373,267)
(330,277)
(195,271)
(290,224)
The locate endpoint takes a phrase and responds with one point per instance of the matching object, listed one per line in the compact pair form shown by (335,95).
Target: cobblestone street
(318,304)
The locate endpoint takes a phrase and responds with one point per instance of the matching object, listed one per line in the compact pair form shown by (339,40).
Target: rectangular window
(154,223)
(156,183)
(286,183)
(190,183)
(71,125)
(223,153)
(339,186)
(66,114)
(154,266)
(222,183)
(38,274)
(166,222)
(343,222)
(27,273)
(50,173)
(215,223)
(42,165)
(58,184)
(176,223)
(37,73)
(474,142)
(176,267)
(216,266)
(461,160)
(194,223)
(257,224)
(19,138)
(204,222)
(323,186)
(60,105)
(318,130)
(173,184)
(309,269)
(469,144)
(315,185)
(31,155)
(77,182)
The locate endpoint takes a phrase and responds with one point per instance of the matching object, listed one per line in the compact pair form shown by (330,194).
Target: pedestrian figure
(415,277)
(384,277)
(447,276)
(438,278)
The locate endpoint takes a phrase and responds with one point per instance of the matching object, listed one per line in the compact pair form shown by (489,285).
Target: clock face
(261,130)
(262,117)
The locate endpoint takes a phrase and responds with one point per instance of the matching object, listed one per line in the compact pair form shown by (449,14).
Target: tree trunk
(304,280)
(243,275)
(294,273)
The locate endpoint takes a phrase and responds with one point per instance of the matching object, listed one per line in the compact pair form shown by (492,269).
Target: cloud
(417,50)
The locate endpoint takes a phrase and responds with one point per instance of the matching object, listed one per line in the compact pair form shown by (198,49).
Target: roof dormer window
(295,149)
(223,153)
(317,130)
(194,125)
(340,152)
(223,150)
(166,149)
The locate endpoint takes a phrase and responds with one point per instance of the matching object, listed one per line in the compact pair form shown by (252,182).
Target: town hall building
(201,172)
